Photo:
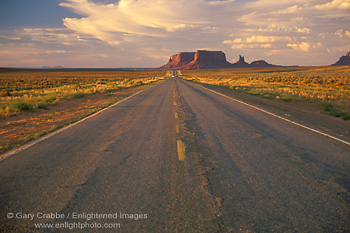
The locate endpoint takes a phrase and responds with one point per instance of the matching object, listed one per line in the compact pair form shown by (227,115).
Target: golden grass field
(36,102)
(328,86)
(36,89)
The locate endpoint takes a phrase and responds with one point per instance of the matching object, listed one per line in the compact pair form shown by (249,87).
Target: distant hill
(343,60)
(49,67)
(203,59)
(261,63)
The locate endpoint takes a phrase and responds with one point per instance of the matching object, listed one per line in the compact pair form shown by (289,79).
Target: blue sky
(32,13)
(145,33)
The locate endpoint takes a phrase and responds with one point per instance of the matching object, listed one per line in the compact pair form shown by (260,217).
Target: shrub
(286,98)
(42,106)
(76,95)
(345,116)
(328,106)
(17,106)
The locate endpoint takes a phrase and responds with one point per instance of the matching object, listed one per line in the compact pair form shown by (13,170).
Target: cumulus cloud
(125,33)
(334,5)
(304,30)
(222,2)
(303,46)
(111,22)
(308,25)
(266,39)
(52,35)
(342,34)
(250,46)
(256,42)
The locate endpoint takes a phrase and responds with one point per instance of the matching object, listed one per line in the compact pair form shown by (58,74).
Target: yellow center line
(181,151)
(177,128)
(175,103)
(176,115)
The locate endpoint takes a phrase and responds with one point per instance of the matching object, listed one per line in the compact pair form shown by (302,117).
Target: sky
(145,33)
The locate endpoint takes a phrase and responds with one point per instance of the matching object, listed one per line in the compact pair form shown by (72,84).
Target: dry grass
(329,86)
(65,96)
(36,89)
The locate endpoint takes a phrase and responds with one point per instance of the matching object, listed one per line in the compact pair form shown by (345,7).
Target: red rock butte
(343,60)
(203,59)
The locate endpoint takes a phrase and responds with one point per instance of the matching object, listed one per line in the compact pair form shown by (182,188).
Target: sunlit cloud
(52,35)
(222,2)
(341,34)
(303,46)
(111,22)
(250,46)
(265,39)
(254,42)
(304,30)
(144,33)
(334,5)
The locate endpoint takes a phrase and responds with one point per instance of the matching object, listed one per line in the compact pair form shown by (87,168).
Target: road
(179,158)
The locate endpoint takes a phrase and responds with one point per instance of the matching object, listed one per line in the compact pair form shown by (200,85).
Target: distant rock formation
(241,63)
(343,60)
(179,60)
(203,59)
(261,63)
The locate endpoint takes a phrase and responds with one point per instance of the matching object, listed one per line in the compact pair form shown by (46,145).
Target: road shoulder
(308,114)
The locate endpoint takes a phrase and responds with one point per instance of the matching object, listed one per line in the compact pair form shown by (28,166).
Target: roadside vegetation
(327,86)
(22,90)
(63,97)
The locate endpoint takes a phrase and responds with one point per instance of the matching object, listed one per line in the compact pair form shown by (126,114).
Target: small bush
(335,113)
(76,95)
(53,128)
(17,106)
(267,96)
(345,116)
(286,98)
(254,92)
(328,107)
(37,135)
(51,98)
(42,106)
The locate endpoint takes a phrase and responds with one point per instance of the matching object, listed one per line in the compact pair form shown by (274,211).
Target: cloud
(286,15)
(254,42)
(303,46)
(153,18)
(334,5)
(222,2)
(341,34)
(144,33)
(52,35)
(266,39)
(304,30)
(251,46)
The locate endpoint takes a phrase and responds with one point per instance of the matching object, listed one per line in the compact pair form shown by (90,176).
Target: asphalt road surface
(178,158)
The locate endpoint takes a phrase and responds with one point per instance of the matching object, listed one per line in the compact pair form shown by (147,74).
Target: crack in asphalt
(191,137)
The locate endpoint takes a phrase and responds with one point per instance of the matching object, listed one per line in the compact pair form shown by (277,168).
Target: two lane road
(179,158)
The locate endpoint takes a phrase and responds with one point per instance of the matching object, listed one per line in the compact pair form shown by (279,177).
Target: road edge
(26,146)
(279,117)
